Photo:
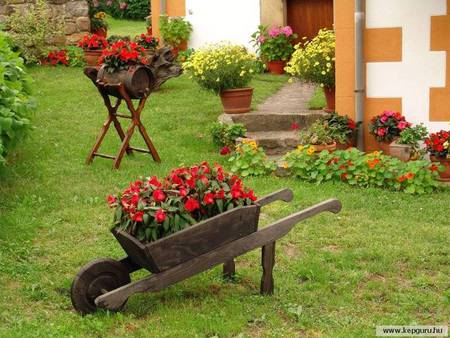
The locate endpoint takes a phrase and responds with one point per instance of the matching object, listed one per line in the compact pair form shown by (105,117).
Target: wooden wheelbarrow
(105,283)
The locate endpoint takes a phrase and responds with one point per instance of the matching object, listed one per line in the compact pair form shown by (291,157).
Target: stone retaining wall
(75,13)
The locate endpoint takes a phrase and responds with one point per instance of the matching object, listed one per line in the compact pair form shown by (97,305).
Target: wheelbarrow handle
(285,195)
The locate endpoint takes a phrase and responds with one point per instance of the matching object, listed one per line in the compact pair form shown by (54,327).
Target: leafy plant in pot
(438,146)
(92,46)
(225,70)
(342,129)
(319,135)
(387,127)
(99,25)
(274,46)
(151,209)
(175,31)
(124,62)
(314,62)
(148,42)
(409,145)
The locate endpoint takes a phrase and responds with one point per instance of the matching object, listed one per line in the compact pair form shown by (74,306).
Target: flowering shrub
(174,30)
(225,135)
(275,43)
(251,160)
(121,9)
(220,67)
(93,42)
(438,144)
(342,128)
(151,209)
(364,170)
(69,56)
(58,57)
(147,41)
(123,54)
(314,62)
(387,126)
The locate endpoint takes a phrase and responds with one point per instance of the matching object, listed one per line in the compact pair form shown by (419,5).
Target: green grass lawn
(124,27)
(383,260)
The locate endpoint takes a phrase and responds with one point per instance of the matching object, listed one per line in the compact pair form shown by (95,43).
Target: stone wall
(75,13)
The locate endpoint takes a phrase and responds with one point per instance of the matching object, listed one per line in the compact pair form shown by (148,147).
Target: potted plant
(314,62)
(438,146)
(175,31)
(225,70)
(318,135)
(92,46)
(342,129)
(148,42)
(408,146)
(99,25)
(387,127)
(151,209)
(148,25)
(274,46)
(124,62)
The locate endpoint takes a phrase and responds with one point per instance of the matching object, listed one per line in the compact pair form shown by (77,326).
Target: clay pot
(180,47)
(320,147)
(91,57)
(330,96)
(276,67)
(400,151)
(101,32)
(138,80)
(444,176)
(236,101)
(385,147)
(343,146)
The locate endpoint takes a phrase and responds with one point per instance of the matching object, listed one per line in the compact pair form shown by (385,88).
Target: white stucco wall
(419,69)
(218,20)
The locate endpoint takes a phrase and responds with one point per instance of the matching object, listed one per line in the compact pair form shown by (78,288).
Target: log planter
(444,176)
(105,283)
(138,80)
(236,101)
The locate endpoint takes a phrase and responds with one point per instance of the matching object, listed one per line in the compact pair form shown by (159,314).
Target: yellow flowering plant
(314,61)
(220,67)
(251,160)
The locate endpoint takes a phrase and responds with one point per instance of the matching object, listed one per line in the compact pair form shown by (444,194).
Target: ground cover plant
(382,260)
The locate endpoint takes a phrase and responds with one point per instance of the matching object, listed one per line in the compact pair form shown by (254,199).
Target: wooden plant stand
(105,283)
(135,118)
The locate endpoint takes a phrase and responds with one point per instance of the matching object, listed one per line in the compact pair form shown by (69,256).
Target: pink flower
(274,31)
(381,131)
(389,113)
(261,39)
(225,151)
(384,119)
(123,5)
(402,125)
(287,31)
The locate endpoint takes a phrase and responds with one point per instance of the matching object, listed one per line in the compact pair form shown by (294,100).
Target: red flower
(220,194)
(159,195)
(225,151)
(409,176)
(160,216)
(208,198)
(344,176)
(137,217)
(434,167)
(154,181)
(351,124)
(295,126)
(251,195)
(112,200)
(183,192)
(401,179)
(191,204)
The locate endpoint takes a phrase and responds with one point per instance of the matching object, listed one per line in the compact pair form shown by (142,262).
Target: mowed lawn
(383,260)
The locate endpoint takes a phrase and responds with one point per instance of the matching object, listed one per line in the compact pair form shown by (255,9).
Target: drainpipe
(360,7)
(163,7)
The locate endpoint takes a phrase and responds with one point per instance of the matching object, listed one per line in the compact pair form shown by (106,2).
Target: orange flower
(401,179)
(373,163)
(409,176)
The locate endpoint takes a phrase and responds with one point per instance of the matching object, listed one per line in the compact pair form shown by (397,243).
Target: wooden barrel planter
(191,242)
(137,80)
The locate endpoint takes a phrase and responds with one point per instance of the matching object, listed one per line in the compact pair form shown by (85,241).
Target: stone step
(267,121)
(276,142)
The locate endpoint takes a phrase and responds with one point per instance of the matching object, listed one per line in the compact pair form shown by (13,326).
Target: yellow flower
(376,153)
(311,150)
(285,165)
(300,148)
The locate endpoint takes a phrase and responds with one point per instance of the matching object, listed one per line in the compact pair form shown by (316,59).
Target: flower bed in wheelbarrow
(192,220)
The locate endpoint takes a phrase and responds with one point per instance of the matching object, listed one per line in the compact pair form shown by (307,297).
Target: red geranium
(58,57)
(122,54)
(388,125)
(147,41)
(93,42)
(438,144)
(186,196)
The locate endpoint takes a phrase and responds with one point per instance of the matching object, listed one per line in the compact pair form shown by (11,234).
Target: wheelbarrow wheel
(94,279)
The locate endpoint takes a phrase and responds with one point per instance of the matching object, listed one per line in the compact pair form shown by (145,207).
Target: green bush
(33,30)
(15,101)
(174,30)
(226,134)
(364,170)
(251,160)
(123,9)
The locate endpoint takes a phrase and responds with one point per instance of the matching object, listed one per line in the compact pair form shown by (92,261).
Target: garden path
(271,125)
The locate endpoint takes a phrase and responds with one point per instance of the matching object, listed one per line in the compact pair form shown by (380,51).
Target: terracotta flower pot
(330,96)
(180,47)
(444,176)
(343,146)
(276,67)
(320,147)
(91,57)
(101,32)
(236,101)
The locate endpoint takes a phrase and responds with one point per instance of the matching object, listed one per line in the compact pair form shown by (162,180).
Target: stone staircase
(271,124)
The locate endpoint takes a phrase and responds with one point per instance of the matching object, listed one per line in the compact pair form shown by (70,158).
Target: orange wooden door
(307,17)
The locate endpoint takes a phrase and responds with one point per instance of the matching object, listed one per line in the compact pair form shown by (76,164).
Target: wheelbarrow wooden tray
(191,242)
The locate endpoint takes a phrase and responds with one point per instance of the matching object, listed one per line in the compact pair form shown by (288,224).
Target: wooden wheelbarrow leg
(114,299)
